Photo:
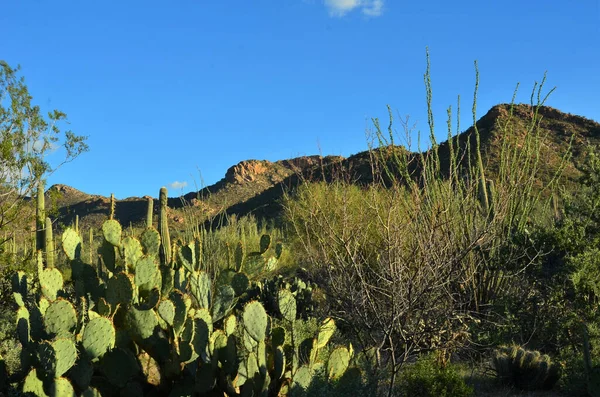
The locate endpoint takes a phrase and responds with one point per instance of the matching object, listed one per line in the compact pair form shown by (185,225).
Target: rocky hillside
(256,186)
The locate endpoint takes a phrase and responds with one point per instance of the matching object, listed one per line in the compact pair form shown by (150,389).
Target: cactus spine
(165,251)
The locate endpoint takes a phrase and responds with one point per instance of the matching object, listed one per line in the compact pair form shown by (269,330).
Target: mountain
(256,186)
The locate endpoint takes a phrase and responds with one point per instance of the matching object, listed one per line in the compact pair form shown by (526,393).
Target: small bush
(426,378)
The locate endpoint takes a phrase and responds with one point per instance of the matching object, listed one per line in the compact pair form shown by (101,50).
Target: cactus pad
(338,363)
(98,337)
(112,232)
(166,310)
(51,281)
(60,318)
(119,289)
(33,385)
(255,320)
(182,304)
(150,240)
(326,331)
(287,304)
(240,283)
(23,326)
(141,323)
(62,387)
(303,377)
(230,324)
(119,366)
(265,243)
(223,302)
(71,244)
(146,270)
(132,251)
(201,288)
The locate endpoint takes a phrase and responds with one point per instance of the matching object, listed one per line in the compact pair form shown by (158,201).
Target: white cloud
(178,185)
(339,8)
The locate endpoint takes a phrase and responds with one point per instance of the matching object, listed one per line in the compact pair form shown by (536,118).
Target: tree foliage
(27,136)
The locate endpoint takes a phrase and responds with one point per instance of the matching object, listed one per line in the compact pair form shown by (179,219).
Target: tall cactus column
(150,212)
(40,218)
(165,240)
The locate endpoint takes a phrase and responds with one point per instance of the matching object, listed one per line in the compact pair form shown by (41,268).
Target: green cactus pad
(61,387)
(98,337)
(82,373)
(240,283)
(119,366)
(150,240)
(19,283)
(141,323)
(120,289)
(103,308)
(60,318)
(255,320)
(230,324)
(108,253)
(66,355)
(186,257)
(265,243)
(23,326)
(146,272)
(182,304)
(303,377)
(223,302)
(278,363)
(326,331)
(43,305)
(338,362)
(249,343)
(200,285)
(166,310)
(287,304)
(33,385)
(112,232)
(51,281)
(71,244)
(248,370)
(148,299)
(132,251)
(188,330)
(203,329)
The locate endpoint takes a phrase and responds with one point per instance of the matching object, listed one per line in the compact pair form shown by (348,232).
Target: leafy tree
(27,136)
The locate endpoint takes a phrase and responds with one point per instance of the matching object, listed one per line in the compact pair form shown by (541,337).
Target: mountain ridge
(255,186)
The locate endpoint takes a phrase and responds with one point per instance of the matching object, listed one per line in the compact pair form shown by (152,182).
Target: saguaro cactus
(165,251)
(40,219)
(150,212)
(49,244)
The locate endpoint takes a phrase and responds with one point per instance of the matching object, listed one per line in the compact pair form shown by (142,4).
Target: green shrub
(426,378)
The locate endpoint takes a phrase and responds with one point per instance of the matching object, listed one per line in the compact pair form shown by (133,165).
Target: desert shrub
(426,378)
(412,256)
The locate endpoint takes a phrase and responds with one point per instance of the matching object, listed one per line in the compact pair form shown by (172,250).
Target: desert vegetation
(453,271)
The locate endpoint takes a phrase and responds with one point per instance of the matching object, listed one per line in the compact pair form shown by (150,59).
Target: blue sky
(169,92)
